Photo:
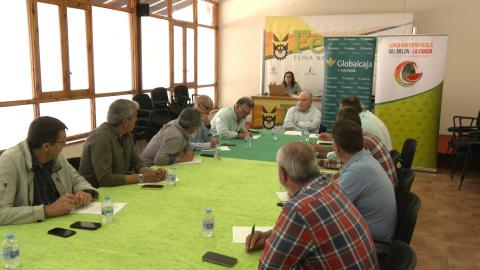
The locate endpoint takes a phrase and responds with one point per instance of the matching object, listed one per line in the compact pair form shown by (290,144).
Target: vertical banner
(409,84)
(348,72)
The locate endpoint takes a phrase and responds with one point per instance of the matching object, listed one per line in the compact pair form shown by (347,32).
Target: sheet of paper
(156,183)
(96,208)
(196,160)
(241,233)
(293,133)
(282,196)
(314,136)
(324,142)
(222,148)
(256,136)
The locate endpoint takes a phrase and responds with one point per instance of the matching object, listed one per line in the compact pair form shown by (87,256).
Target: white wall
(242,21)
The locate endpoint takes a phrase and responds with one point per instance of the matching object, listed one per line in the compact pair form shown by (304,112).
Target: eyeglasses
(61,142)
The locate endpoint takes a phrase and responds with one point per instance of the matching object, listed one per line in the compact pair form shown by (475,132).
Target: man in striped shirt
(318,228)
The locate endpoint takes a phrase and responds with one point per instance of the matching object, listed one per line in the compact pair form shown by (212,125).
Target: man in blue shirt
(364,181)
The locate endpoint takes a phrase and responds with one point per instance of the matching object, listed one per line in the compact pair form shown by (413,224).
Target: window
(71,58)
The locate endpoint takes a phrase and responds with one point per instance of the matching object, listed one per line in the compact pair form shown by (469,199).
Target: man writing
(36,181)
(229,122)
(318,228)
(202,138)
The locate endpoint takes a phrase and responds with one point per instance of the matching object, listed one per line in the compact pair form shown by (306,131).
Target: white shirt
(297,120)
(371,123)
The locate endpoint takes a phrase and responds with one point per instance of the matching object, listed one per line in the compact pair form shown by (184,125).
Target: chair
(160,99)
(461,126)
(180,100)
(75,162)
(144,114)
(405,180)
(395,156)
(407,154)
(467,146)
(400,256)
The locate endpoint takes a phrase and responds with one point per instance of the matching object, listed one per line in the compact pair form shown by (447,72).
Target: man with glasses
(229,122)
(202,138)
(36,181)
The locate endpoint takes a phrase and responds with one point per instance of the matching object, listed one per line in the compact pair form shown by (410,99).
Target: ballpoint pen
(251,235)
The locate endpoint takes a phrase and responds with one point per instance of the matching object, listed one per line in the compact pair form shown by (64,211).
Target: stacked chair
(180,100)
(403,164)
(464,143)
(142,128)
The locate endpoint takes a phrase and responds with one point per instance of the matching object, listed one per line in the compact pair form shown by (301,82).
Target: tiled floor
(447,234)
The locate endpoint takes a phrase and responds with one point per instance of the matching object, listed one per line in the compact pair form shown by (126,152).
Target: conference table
(162,228)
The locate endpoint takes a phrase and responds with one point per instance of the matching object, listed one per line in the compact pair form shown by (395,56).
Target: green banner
(348,72)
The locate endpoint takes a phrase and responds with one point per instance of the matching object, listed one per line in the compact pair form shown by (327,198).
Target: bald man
(202,138)
(303,115)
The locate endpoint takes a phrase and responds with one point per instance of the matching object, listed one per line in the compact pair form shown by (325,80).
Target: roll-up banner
(348,72)
(409,84)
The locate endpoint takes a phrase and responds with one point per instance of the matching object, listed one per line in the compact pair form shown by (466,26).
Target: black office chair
(407,154)
(400,256)
(467,147)
(395,156)
(405,180)
(181,100)
(160,99)
(75,162)
(462,125)
(144,115)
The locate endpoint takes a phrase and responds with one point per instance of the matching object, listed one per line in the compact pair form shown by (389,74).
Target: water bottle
(274,134)
(305,135)
(11,252)
(172,176)
(247,141)
(217,154)
(208,226)
(107,209)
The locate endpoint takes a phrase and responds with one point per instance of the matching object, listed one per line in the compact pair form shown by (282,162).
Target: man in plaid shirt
(370,142)
(318,228)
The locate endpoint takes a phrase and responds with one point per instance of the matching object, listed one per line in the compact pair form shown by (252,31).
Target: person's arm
(202,146)
(279,245)
(168,151)
(352,184)
(289,122)
(101,151)
(221,125)
(10,214)
(312,121)
(79,183)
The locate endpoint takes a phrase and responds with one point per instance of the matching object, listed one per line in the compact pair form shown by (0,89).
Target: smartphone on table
(152,186)
(62,232)
(86,225)
(220,259)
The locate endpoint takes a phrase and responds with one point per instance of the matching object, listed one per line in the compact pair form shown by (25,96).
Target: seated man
(364,181)
(171,143)
(202,138)
(229,123)
(304,115)
(109,157)
(36,181)
(318,228)
(371,143)
(370,122)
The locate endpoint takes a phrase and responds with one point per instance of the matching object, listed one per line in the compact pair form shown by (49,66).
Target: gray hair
(299,162)
(245,100)
(120,110)
(204,100)
(188,118)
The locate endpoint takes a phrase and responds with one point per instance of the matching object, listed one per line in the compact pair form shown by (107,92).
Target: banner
(295,43)
(348,72)
(409,84)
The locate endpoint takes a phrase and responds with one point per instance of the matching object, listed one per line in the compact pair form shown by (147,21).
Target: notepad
(195,160)
(298,133)
(161,182)
(240,233)
(222,148)
(96,208)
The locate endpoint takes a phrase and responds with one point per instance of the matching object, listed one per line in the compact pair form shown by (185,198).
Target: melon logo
(407,73)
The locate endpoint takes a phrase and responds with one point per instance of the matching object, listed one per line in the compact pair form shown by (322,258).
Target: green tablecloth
(161,229)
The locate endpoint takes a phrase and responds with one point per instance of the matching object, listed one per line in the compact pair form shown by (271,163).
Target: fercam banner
(348,72)
(409,84)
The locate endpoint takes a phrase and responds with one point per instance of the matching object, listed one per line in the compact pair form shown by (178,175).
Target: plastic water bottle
(217,154)
(247,141)
(305,135)
(11,252)
(274,134)
(172,176)
(107,210)
(208,226)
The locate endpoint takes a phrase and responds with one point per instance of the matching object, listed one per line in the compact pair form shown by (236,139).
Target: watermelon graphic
(406,73)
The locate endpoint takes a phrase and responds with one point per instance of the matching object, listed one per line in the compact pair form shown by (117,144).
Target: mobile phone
(228,144)
(220,259)
(253,131)
(152,186)
(206,154)
(61,232)
(85,225)
(280,204)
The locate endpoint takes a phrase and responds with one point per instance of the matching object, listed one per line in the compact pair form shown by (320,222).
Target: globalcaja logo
(330,62)
(407,73)
(280,47)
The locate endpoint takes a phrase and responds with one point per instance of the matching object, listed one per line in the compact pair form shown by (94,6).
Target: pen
(251,236)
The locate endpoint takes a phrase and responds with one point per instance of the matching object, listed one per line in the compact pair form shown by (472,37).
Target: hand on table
(152,175)
(61,206)
(82,198)
(257,241)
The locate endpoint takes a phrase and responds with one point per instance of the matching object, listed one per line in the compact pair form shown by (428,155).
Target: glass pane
(112,51)
(190,55)
(50,50)
(74,113)
(206,59)
(155,53)
(19,114)
(191,91)
(77,47)
(118,3)
(101,107)
(178,54)
(15,65)
(183,10)
(205,13)
(209,91)
(157,7)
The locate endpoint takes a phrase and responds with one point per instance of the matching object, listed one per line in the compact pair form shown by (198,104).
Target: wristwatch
(140,178)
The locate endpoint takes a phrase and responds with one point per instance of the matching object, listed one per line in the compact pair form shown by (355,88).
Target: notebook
(277,90)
